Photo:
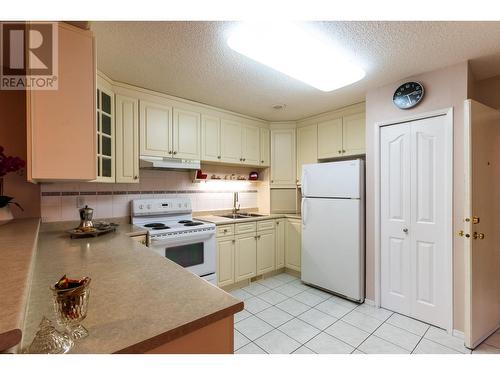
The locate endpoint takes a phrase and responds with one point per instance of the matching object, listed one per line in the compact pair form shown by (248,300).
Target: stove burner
(185,221)
(192,224)
(156,226)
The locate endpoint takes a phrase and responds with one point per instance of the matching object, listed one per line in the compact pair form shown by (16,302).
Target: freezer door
(342,179)
(333,245)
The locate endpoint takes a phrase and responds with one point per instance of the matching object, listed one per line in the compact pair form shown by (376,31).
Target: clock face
(408,95)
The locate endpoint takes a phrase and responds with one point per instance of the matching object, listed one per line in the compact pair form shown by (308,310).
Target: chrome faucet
(236,203)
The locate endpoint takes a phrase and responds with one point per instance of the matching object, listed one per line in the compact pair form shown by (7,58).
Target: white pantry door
(416,219)
(481,222)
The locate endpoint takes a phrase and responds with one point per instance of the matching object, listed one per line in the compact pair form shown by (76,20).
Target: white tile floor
(283,315)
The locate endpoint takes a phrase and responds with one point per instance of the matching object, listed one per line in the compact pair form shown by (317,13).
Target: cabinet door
(61,124)
(186,135)
(250,145)
(210,138)
(266,251)
(155,123)
(293,244)
(280,243)
(353,134)
(225,261)
(283,167)
(127,139)
(330,139)
(307,147)
(105,132)
(230,141)
(245,257)
(264,147)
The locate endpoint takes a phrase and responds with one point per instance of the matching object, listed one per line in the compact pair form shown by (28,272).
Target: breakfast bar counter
(140,302)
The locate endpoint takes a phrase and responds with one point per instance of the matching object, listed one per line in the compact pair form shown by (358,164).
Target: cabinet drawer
(225,230)
(265,225)
(245,227)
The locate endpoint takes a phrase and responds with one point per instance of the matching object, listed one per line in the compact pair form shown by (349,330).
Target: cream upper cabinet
(186,135)
(330,138)
(155,122)
(283,167)
(250,141)
(245,257)
(307,147)
(265,151)
(353,134)
(210,138)
(230,141)
(293,244)
(106,136)
(127,139)
(225,261)
(266,251)
(280,243)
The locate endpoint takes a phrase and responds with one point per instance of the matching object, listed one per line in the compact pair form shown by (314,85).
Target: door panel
(250,142)
(482,260)
(127,139)
(353,134)
(245,257)
(155,124)
(330,139)
(395,217)
(264,147)
(266,251)
(225,261)
(307,147)
(280,243)
(210,138)
(283,156)
(431,287)
(230,141)
(293,244)
(186,135)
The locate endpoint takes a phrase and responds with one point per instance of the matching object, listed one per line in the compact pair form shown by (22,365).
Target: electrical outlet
(80,201)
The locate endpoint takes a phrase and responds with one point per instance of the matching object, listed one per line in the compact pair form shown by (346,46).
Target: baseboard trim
(458,334)
(369,302)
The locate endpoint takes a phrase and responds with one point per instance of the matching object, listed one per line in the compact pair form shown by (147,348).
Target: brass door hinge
(475,220)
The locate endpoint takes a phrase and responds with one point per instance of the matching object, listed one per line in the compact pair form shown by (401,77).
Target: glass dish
(48,340)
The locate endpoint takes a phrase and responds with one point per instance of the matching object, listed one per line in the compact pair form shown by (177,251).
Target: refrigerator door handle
(303,211)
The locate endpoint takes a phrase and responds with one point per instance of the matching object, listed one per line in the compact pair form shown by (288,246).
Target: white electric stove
(174,234)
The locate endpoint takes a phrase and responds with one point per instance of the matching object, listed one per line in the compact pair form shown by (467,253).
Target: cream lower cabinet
(245,265)
(225,261)
(293,244)
(280,243)
(266,252)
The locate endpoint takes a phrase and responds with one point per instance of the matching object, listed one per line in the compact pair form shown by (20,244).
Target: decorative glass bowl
(70,306)
(49,340)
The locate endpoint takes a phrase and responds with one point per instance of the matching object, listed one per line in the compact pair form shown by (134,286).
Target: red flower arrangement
(8,164)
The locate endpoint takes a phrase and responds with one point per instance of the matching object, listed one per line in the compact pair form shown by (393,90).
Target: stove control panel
(160,206)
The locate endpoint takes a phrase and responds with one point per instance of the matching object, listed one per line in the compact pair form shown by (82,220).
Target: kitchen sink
(241,216)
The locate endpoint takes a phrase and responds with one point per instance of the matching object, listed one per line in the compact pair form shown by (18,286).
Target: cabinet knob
(136,177)
(170,152)
(218,157)
(262,162)
(343,151)
(244,159)
(272,181)
(175,152)
(234,241)
(340,151)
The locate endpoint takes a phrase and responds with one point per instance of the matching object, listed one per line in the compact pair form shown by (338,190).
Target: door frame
(448,113)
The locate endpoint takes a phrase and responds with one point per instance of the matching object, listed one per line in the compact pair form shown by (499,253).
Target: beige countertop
(138,300)
(17,249)
(218,220)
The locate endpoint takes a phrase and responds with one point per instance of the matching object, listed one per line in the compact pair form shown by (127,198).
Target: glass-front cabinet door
(105,127)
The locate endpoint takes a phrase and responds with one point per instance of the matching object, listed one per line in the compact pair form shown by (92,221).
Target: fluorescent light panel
(292,50)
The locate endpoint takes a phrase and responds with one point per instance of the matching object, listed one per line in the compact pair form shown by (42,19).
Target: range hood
(154,162)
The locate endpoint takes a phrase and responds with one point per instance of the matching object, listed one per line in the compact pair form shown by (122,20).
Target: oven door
(194,252)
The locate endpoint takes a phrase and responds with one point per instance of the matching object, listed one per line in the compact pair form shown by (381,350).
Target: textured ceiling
(192,60)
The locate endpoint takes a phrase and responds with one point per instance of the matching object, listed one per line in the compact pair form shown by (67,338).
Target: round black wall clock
(408,95)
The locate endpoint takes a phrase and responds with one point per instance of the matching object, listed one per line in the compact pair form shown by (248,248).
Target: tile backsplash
(59,201)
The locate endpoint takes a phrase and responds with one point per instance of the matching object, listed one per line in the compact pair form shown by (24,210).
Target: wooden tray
(97,232)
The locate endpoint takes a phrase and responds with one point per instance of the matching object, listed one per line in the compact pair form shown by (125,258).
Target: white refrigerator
(333,227)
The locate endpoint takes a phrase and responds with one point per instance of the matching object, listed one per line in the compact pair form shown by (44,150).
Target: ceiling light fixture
(294,51)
